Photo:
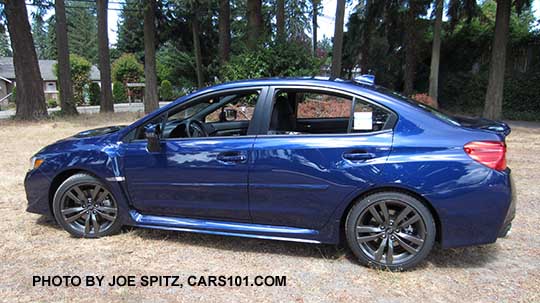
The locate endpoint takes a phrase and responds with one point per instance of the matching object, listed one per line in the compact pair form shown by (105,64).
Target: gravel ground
(508,270)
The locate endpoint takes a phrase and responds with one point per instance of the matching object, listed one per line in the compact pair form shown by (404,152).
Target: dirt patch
(508,270)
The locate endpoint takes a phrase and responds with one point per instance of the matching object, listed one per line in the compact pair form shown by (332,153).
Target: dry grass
(506,271)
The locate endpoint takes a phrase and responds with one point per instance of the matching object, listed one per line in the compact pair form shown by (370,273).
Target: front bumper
(36,185)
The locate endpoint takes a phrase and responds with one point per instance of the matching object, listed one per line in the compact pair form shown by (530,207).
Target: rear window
(437,113)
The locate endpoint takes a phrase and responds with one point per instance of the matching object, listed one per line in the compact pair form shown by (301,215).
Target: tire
(396,239)
(86,208)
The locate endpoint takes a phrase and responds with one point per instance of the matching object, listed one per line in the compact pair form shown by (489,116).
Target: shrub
(424,98)
(52,103)
(93,93)
(119,92)
(80,76)
(279,60)
(127,69)
(166,91)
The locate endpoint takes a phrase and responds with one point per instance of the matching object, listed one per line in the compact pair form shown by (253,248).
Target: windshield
(439,114)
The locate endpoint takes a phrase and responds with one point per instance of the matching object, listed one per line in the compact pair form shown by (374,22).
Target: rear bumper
(511,213)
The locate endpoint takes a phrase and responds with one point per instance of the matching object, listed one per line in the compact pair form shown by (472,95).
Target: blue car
(307,160)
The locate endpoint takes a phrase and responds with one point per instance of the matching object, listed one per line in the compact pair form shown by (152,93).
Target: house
(46,67)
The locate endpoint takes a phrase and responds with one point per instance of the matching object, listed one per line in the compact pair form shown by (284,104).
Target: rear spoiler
(483,123)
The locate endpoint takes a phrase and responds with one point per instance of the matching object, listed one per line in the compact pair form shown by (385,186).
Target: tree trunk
(254,25)
(197,44)
(338,40)
(436,53)
(410,50)
(364,60)
(280,20)
(151,100)
(494,94)
(224,30)
(314,24)
(106,102)
(64,69)
(30,98)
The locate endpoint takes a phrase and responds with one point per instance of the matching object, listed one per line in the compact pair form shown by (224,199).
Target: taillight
(490,153)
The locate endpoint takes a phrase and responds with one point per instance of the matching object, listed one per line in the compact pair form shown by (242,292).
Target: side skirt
(214,227)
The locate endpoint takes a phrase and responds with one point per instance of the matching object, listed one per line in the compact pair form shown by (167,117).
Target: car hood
(86,140)
(485,124)
(99,131)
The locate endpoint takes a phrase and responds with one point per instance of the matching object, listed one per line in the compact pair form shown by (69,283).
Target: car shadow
(240,244)
(48,222)
(444,258)
(466,257)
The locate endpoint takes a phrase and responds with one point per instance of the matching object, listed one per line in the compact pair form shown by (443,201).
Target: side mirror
(152,133)
(230,114)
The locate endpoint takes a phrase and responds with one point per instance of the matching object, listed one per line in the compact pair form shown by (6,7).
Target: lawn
(508,270)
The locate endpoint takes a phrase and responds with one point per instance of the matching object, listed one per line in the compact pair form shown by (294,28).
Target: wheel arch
(63,176)
(423,200)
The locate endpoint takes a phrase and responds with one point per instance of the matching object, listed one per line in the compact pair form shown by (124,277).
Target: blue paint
(295,187)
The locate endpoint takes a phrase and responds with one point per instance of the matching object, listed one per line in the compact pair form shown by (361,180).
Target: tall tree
(254,22)
(82,30)
(30,98)
(224,30)
(39,34)
(494,94)
(197,42)
(280,20)
(436,52)
(64,69)
(415,8)
(314,23)
(337,50)
(151,101)
(106,102)
(366,37)
(131,28)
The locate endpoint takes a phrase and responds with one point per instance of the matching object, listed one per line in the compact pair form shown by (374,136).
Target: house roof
(7,69)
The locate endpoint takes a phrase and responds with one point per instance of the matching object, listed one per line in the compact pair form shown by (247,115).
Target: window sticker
(363,121)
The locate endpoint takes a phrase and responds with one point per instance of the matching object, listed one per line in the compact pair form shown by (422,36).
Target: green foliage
(166,91)
(39,33)
(82,32)
(80,76)
(176,66)
(279,60)
(131,29)
(94,93)
(119,92)
(127,69)
(5,48)
(51,103)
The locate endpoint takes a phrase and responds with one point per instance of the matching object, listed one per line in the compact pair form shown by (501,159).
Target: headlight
(35,163)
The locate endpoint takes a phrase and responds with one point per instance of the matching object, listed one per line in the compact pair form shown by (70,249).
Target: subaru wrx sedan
(307,160)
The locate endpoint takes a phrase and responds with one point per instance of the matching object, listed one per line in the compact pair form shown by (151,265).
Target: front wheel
(86,208)
(390,230)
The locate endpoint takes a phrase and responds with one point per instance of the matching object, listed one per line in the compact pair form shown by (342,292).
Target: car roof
(311,81)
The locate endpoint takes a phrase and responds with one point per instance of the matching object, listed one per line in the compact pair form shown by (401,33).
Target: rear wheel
(86,208)
(390,230)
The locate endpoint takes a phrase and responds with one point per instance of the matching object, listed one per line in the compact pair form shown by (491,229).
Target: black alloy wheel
(390,230)
(86,208)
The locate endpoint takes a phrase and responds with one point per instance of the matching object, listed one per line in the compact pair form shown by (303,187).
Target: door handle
(231,157)
(358,155)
